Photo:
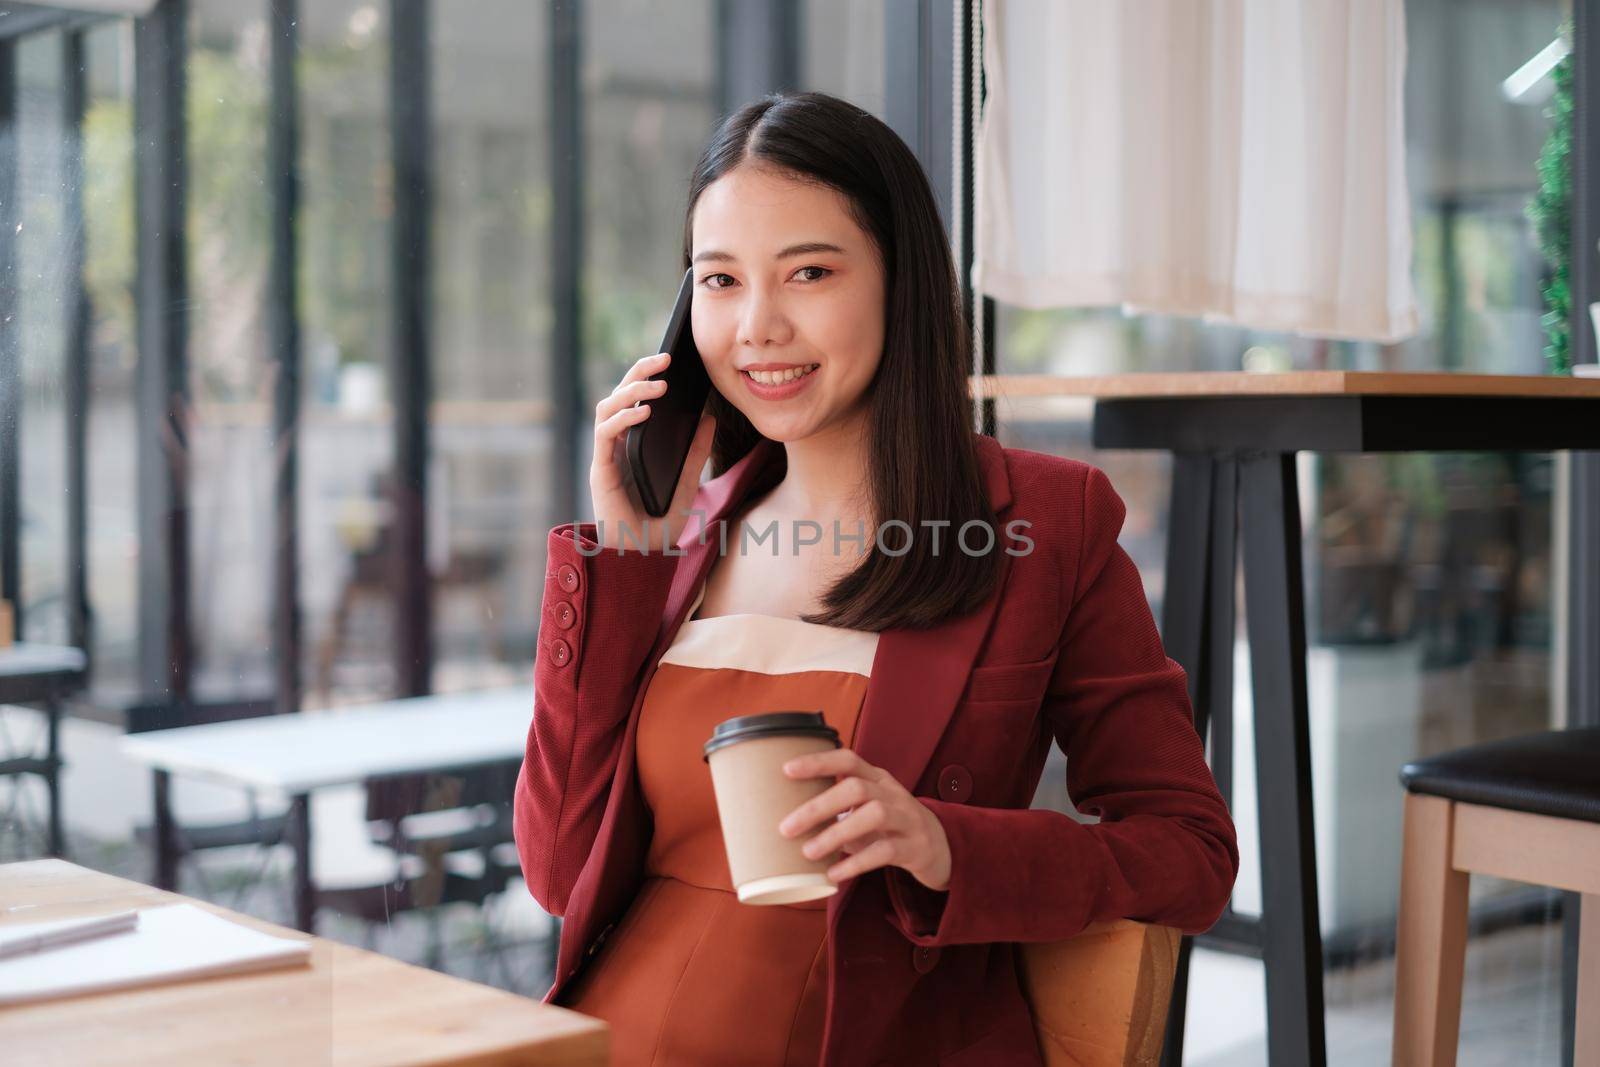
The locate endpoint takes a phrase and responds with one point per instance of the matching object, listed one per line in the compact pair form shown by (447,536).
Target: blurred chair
(448,840)
(264,830)
(1526,809)
(1100,999)
(475,570)
(364,532)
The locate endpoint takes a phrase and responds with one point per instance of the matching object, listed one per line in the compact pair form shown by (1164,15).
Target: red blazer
(963,714)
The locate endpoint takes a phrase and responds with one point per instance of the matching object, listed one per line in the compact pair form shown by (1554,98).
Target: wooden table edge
(572,1036)
(1157,384)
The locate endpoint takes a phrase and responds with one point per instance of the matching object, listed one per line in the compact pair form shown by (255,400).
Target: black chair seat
(1555,773)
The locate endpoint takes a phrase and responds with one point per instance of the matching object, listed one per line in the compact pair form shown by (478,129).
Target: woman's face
(785,281)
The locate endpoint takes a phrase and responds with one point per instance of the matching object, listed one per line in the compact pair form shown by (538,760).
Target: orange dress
(690,975)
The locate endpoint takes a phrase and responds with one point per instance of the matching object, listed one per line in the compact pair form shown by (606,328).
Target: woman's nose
(761,321)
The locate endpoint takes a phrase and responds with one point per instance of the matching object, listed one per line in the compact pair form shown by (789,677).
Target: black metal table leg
(1214,712)
(1571,926)
(165,834)
(53,774)
(300,838)
(1184,616)
(1183,604)
(1275,619)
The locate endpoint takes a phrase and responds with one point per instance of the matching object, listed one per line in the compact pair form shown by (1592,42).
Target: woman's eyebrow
(806,249)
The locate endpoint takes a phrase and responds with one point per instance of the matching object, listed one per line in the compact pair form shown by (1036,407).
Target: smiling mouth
(780,377)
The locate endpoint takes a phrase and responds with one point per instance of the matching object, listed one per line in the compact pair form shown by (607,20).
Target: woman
(950,605)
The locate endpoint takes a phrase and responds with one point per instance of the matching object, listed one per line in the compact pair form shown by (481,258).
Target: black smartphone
(658,446)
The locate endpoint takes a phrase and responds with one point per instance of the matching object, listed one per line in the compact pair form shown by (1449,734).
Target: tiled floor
(1511,1011)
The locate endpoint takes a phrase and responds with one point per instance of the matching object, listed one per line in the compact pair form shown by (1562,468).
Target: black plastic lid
(767,724)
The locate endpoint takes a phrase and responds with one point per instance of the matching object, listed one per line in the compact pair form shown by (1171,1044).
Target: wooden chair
(1100,999)
(1526,809)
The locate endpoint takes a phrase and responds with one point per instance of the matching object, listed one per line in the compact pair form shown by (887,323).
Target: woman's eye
(706,281)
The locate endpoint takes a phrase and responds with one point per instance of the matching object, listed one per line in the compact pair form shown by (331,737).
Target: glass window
(346,287)
(492,462)
(231,371)
(112,532)
(41,337)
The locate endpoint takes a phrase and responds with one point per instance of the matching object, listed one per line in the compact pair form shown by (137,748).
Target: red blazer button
(923,958)
(567,576)
(560,652)
(955,784)
(565,616)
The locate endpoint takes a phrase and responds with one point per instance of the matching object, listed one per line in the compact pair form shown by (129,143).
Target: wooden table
(296,754)
(349,1007)
(1166,385)
(1234,436)
(42,675)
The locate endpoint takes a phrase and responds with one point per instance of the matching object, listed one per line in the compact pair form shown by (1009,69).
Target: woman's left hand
(886,825)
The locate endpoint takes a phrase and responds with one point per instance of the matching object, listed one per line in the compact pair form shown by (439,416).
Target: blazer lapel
(917,679)
(918,675)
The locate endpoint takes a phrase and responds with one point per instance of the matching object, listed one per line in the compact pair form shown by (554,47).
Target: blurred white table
(296,754)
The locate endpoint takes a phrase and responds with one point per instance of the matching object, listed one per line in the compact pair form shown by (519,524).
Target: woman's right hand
(616,501)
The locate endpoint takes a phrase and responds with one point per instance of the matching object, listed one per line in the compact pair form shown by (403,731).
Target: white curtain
(1240,160)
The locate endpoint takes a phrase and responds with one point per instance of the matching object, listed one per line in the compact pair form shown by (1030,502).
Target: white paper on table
(171,943)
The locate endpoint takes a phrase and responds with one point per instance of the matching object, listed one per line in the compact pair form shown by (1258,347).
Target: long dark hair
(921,449)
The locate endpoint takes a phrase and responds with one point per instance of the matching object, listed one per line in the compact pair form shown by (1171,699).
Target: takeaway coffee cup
(747,755)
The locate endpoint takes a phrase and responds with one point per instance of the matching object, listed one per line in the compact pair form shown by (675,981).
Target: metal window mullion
(411,388)
(1583,518)
(10,340)
(1584,620)
(566,254)
(919,66)
(161,302)
(980,309)
(76,301)
(758,50)
(283,327)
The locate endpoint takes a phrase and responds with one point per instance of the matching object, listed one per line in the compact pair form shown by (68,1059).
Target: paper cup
(746,755)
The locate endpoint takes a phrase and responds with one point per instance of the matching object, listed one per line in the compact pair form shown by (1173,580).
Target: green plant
(1550,211)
